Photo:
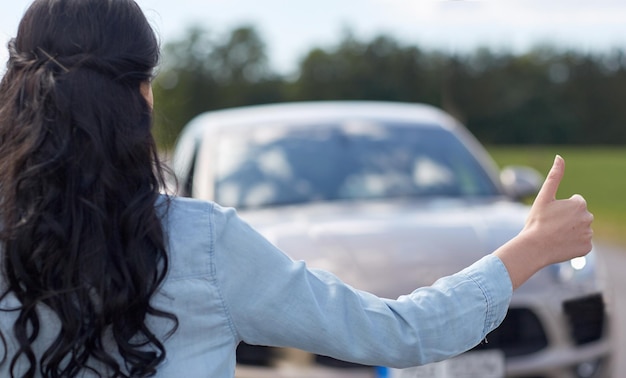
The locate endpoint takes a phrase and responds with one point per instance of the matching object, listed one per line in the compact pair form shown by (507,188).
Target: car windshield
(278,165)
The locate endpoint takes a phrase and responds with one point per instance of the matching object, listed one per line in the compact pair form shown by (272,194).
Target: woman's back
(204,343)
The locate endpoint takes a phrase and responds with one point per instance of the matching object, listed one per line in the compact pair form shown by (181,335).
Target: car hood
(390,248)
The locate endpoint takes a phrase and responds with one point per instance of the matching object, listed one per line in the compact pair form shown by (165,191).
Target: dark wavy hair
(80,183)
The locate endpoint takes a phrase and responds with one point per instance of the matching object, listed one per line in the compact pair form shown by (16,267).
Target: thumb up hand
(555,231)
(561,228)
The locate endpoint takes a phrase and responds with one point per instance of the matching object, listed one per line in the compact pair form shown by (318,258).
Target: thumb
(548,190)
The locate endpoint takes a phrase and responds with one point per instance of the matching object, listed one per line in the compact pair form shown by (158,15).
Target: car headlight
(577,269)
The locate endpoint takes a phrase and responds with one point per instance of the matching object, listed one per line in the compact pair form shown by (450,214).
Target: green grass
(597,173)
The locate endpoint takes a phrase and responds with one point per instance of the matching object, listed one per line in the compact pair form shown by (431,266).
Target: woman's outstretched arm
(272,300)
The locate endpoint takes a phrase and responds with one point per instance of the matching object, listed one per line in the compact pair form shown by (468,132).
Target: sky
(291,28)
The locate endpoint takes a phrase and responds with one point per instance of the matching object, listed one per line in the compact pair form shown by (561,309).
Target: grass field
(598,173)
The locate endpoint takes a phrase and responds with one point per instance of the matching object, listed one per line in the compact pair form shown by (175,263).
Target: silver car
(390,196)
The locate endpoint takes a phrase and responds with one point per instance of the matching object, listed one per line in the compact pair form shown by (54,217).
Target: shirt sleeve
(273,300)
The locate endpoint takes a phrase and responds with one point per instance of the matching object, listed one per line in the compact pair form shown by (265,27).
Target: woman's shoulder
(198,230)
(189,226)
(181,211)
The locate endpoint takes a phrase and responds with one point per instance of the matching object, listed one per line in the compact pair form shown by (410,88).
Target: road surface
(612,266)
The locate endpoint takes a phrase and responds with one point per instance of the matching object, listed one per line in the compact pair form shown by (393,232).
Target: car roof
(299,112)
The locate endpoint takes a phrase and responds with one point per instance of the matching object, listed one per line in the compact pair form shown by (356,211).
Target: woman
(102,276)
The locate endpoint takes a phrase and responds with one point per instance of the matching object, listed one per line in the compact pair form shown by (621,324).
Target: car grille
(519,334)
(255,355)
(586,318)
(331,362)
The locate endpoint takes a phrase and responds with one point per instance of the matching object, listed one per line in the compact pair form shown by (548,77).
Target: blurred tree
(200,73)
(184,85)
(595,95)
(378,70)
(511,99)
(544,96)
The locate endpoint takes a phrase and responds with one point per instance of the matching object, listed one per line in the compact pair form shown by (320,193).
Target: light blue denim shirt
(227,284)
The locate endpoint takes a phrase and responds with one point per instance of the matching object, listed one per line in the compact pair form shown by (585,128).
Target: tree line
(544,96)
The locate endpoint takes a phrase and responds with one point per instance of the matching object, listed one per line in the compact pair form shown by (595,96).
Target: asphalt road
(612,261)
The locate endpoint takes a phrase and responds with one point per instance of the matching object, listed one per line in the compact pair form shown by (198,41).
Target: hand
(555,231)
(561,228)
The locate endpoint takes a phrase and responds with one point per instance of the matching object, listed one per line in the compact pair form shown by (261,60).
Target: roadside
(612,261)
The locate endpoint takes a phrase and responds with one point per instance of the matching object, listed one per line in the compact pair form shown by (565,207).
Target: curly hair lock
(81,232)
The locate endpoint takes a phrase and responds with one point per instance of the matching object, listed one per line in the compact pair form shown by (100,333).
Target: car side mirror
(521,182)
